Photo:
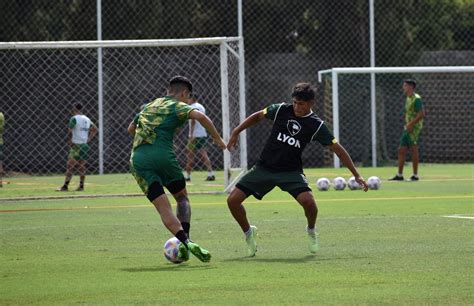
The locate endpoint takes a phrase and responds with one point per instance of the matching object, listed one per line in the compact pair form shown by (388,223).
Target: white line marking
(460,217)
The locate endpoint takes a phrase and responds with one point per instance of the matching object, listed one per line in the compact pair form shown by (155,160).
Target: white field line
(460,217)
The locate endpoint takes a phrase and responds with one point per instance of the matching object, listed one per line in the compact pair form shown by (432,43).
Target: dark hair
(411,82)
(303,91)
(78,106)
(178,82)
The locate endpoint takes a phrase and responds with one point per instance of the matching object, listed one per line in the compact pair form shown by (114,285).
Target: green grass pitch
(391,246)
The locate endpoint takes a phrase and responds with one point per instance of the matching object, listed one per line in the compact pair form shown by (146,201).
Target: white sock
(210,173)
(415,175)
(249,232)
(310,230)
(400,174)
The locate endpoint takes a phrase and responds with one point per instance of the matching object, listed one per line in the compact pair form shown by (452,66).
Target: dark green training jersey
(289,137)
(158,122)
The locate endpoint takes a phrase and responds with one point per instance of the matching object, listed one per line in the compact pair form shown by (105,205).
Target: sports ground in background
(408,243)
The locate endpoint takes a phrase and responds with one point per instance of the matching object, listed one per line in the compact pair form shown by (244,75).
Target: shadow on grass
(296,260)
(170,268)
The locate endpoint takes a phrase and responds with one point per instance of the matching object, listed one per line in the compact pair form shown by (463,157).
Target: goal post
(354,114)
(112,79)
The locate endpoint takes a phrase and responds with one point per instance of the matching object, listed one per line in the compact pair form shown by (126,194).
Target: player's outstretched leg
(234,202)
(306,200)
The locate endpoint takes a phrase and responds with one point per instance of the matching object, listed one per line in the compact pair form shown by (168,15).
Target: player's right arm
(248,122)
(209,126)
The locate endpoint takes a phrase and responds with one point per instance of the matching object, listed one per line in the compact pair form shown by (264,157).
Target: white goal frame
(223,42)
(335,72)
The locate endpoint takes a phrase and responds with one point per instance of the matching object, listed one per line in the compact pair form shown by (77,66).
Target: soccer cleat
(414,178)
(313,245)
(62,188)
(397,178)
(187,179)
(210,178)
(183,252)
(251,243)
(80,188)
(202,254)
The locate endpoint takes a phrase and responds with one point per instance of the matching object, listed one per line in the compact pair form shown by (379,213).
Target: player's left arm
(346,159)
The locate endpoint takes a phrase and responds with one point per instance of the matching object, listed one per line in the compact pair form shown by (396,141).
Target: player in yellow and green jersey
(153,161)
(2,124)
(414,114)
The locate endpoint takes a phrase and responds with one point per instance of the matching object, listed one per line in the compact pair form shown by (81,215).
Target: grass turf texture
(390,246)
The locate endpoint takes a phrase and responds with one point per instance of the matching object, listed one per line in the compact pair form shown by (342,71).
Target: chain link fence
(285,42)
(40,86)
(447,133)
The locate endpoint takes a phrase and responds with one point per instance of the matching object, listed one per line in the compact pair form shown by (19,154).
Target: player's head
(303,98)
(409,86)
(180,88)
(77,108)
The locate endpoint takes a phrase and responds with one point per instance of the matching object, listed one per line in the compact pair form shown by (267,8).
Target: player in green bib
(153,161)
(294,126)
(2,124)
(414,114)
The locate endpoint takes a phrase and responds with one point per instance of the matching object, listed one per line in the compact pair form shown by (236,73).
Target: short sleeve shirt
(413,105)
(289,136)
(159,120)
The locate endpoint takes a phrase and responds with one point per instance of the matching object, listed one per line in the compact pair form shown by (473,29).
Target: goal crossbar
(116,43)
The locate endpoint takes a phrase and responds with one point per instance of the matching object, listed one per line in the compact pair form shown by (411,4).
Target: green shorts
(150,164)
(409,139)
(79,151)
(1,152)
(196,143)
(259,181)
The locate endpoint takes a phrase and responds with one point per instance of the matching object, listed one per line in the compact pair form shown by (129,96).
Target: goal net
(40,81)
(369,124)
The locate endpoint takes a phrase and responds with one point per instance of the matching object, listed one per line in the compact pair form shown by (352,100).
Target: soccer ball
(323,184)
(339,183)
(374,182)
(171,249)
(352,184)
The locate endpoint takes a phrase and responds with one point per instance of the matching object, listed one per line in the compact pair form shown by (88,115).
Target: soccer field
(408,243)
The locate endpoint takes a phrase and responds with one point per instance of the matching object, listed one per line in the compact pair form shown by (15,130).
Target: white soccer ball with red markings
(339,183)
(374,182)
(323,184)
(352,184)
(171,249)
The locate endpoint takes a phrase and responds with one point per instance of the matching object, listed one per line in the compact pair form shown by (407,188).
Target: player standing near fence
(81,130)
(414,114)
(2,126)
(197,142)
(153,161)
(294,126)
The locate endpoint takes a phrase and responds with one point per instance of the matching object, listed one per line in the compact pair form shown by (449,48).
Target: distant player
(2,126)
(294,126)
(414,114)
(81,130)
(197,142)
(154,164)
